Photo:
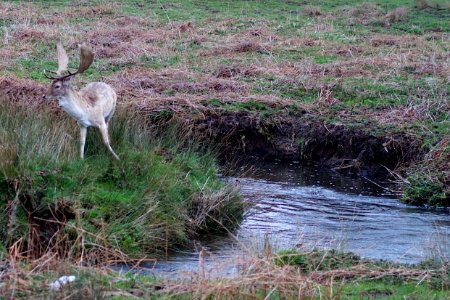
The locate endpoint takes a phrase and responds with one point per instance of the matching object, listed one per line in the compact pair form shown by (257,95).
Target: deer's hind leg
(104,132)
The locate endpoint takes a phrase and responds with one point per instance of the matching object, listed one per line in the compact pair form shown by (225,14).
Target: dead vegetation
(172,84)
(99,10)
(312,10)
(426,4)
(233,71)
(397,15)
(22,92)
(259,277)
(241,47)
(368,14)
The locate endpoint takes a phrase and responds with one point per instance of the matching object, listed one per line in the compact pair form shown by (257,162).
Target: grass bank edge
(163,192)
(288,274)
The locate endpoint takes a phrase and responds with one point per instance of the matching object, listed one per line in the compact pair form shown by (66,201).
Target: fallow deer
(93,105)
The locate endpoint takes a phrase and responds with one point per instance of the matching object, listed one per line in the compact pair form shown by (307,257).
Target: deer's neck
(73,104)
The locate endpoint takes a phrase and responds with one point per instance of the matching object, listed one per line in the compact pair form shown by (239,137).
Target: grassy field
(381,66)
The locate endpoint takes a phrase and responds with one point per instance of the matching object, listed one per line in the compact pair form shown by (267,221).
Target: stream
(308,207)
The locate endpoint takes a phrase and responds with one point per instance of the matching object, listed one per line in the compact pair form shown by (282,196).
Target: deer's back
(99,96)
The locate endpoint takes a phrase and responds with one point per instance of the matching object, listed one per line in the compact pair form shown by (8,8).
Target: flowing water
(308,207)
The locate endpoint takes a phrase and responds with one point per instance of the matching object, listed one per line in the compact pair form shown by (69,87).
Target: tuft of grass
(317,260)
(396,15)
(312,10)
(426,4)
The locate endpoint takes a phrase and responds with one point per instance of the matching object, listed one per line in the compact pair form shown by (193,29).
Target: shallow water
(308,207)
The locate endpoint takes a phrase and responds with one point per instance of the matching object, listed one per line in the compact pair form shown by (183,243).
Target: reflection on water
(308,207)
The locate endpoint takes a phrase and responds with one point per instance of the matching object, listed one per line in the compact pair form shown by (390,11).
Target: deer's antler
(63,60)
(86,59)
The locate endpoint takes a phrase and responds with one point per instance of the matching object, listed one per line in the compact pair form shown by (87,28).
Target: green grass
(382,290)
(317,260)
(425,190)
(157,192)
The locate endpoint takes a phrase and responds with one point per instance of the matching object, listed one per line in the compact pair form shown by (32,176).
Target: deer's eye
(57,87)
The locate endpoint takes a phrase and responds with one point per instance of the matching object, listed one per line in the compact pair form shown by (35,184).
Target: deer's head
(61,83)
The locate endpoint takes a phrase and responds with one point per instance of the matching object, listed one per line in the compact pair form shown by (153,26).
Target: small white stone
(63,280)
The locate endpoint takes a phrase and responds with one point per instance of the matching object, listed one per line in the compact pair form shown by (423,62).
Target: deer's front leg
(83,132)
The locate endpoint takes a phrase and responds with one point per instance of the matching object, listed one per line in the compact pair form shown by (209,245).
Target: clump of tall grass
(427,4)
(164,190)
(396,15)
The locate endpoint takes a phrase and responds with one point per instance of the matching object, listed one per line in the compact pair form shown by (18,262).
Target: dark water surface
(308,207)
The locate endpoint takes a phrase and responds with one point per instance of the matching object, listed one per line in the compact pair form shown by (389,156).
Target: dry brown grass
(257,277)
(99,10)
(233,71)
(143,83)
(398,14)
(425,4)
(404,41)
(260,278)
(366,10)
(236,48)
(365,14)
(312,10)
(22,92)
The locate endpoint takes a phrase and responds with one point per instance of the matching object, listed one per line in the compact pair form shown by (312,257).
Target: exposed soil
(301,137)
